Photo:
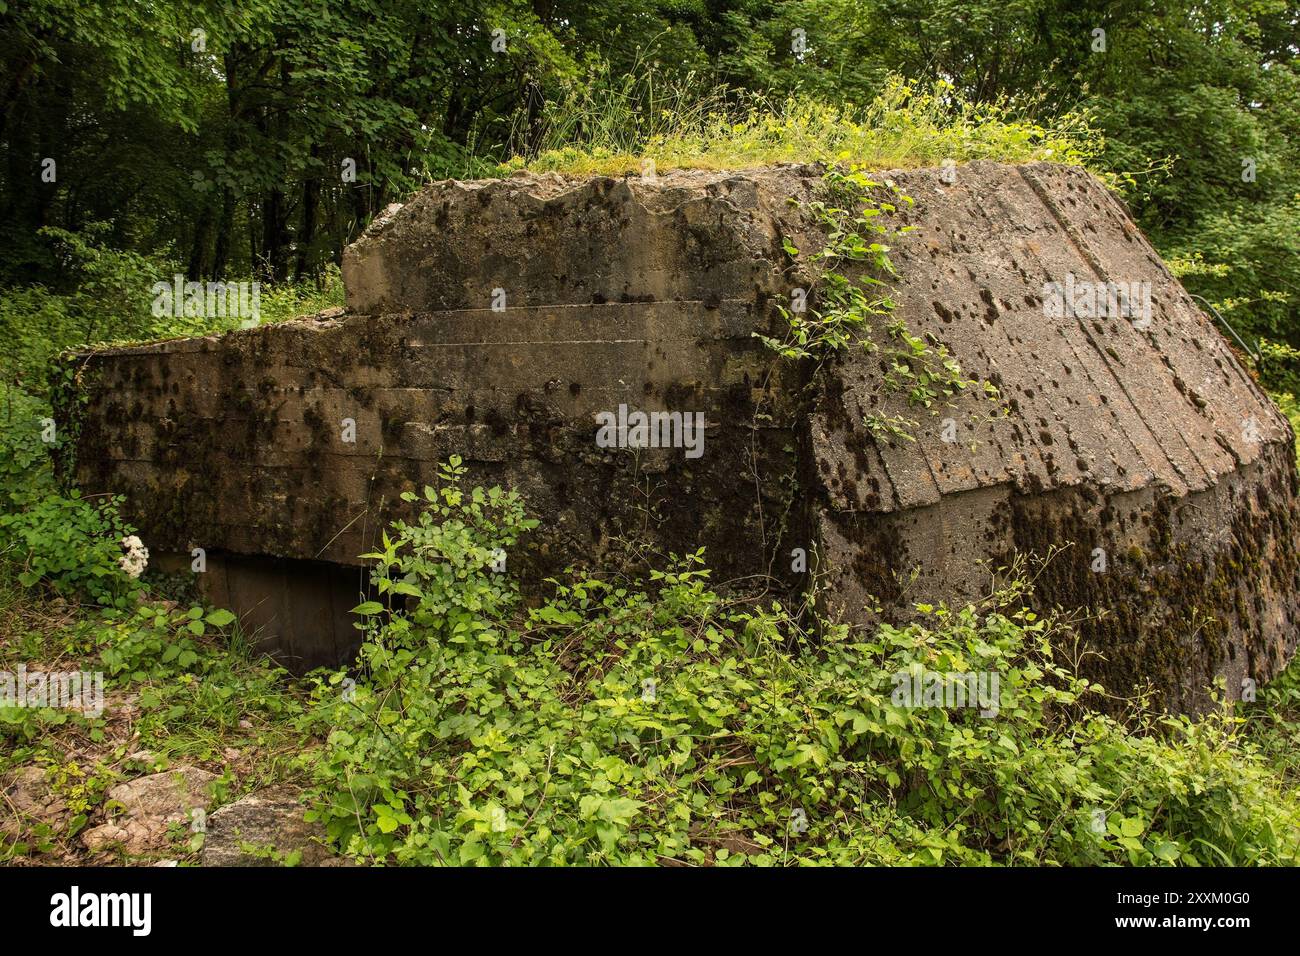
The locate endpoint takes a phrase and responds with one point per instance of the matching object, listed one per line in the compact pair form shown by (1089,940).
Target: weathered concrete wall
(1150,443)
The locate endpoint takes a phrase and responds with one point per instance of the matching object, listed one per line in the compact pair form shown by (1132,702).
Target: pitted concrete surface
(1144,451)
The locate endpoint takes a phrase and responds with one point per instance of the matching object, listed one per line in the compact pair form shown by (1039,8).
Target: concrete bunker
(1145,443)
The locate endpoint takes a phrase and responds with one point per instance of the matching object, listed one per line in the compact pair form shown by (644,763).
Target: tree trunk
(307,231)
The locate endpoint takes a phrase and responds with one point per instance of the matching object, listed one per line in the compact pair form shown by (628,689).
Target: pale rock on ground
(152,804)
(28,799)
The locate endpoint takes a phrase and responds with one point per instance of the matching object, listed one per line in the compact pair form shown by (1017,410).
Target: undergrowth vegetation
(654,721)
(47,534)
(658,721)
(105,295)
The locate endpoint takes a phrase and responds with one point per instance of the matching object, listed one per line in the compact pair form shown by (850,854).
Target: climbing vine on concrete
(857,230)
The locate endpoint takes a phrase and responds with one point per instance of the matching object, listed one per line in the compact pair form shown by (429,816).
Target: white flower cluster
(136,558)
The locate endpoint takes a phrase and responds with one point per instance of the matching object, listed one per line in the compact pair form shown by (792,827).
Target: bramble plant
(841,319)
(640,722)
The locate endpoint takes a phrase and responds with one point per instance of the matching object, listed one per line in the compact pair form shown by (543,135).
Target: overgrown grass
(290,300)
(618,125)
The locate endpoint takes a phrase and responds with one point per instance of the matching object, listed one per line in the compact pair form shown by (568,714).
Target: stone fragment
(151,805)
(269,820)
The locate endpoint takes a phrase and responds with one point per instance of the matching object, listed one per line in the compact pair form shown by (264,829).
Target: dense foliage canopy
(255,139)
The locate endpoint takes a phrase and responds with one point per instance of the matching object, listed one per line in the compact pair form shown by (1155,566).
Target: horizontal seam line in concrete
(415,314)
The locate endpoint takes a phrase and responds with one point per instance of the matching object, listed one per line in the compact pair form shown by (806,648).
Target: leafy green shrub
(198,689)
(68,541)
(71,542)
(1274,725)
(1246,260)
(1279,366)
(153,639)
(639,723)
(1286,401)
(107,298)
